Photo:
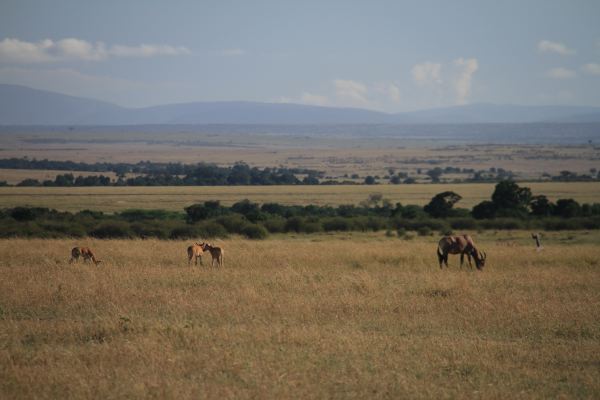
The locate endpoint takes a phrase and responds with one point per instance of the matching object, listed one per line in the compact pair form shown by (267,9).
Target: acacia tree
(441,204)
(508,200)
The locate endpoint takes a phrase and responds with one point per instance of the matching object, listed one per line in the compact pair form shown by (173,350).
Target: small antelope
(85,252)
(215,252)
(195,252)
(460,245)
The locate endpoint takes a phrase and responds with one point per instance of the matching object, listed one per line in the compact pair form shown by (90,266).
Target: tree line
(510,207)
(164,174)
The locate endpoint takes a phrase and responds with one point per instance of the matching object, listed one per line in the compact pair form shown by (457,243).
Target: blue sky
(385,55)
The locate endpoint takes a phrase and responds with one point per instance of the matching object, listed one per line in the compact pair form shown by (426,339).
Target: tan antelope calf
(195,252)
(216,254)
(85,252)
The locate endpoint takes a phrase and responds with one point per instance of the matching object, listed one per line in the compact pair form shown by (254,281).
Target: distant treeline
(511,207)
(162,174)
(201,174)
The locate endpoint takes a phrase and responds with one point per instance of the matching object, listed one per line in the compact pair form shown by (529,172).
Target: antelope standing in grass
(216,254)
(85,252)
(460,245)
(195,252)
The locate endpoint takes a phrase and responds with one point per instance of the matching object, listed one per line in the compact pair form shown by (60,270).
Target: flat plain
(339,156)
(306,316)
(112,199)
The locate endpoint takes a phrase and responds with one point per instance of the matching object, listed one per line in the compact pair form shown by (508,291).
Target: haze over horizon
(385,56)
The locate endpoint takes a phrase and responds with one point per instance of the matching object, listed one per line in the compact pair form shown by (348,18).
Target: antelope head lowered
(462,245)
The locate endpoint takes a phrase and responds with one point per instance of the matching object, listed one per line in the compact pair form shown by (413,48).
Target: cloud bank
(462,85)
(560,73)
(71,49)
(547,46)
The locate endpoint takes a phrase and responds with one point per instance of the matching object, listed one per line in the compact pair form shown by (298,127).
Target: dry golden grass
(176,198)
(341,316)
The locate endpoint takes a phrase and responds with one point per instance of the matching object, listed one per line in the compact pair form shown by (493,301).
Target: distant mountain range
(20,105)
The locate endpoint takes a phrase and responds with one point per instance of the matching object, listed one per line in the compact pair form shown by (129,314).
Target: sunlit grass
(323,316)
(176,198)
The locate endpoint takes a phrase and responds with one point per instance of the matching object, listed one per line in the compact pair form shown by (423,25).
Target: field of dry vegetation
(315,316)
(175,198)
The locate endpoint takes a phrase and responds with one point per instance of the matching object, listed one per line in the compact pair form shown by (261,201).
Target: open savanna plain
(175,198)
(338,155)
(306,316)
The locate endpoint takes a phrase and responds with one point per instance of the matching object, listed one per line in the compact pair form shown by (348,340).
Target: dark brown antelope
(460,245)
(195,252)
(85,252)
(216,254)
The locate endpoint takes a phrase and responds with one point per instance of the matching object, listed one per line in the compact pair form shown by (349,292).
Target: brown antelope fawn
(195,252)
(216,254)
(85,252)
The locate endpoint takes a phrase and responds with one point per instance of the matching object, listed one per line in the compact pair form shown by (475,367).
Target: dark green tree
(567,208)
(541,206)
(441,204)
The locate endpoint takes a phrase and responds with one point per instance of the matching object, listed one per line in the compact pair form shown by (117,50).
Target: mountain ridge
(21,105)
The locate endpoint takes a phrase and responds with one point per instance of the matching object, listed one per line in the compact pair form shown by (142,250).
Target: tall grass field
(307,316)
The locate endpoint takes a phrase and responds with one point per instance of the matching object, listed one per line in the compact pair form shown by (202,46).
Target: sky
(391,56)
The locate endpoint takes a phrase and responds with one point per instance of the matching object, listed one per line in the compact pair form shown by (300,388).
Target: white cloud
(427,73)
(547,46)
(22,52)
(148,50)
(462,84)
(353,91)
(232,52)
(560,73)
(591,68)
(394,93)
(314,99)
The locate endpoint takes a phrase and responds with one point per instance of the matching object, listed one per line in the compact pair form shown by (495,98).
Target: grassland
(111,199)
(342,316)
(338,155)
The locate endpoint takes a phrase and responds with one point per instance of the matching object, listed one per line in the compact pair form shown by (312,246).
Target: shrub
(63,229)
(424,231)
(112,229)
(184,232)
(275,225)
(148,229)
(336,224)
(234,223)
(254,232)
(463,223)
(28,213)
(211,229)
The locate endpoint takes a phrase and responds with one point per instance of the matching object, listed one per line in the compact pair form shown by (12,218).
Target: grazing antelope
(195,252)
(215,252)
(85,252)
(460,245)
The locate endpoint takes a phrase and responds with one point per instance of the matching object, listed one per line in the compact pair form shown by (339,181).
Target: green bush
(424,231)
(63,229)
(234,223)
(275,225)
(254,232)
(211,229)
(150,229)
(184,232)
(112,230)
(463,223)
(336,224)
